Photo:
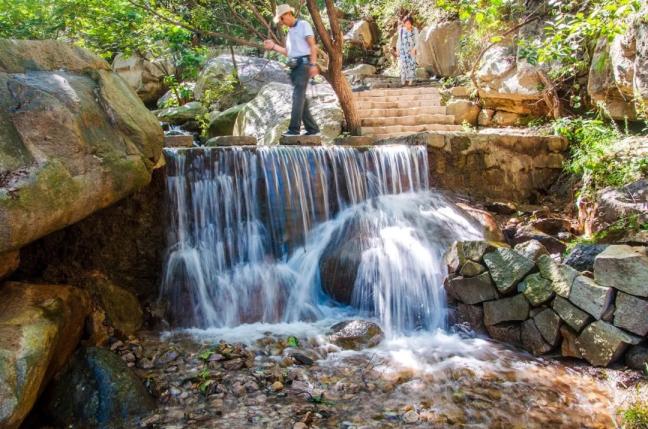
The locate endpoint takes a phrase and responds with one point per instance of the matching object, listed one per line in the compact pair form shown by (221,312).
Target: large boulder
(438,46)
(222,123)
(591,297)
(506,310)
(510,84)
(253,72)
(40,326)
(473,290)
(268,115)
(618,77)
(363,33)
(144,76)
(624,268)
(602,343)
(97,390)
(75,138)
(464,111)
(179,115)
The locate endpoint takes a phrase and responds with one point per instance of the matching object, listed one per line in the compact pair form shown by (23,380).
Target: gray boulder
(471,269)
(582,256)
(637,357)
(624,268)
(531,249)
(561,276)
(602,343)
(356,334)
(532,339)
(536,289)
(507,268)
(222,123)
(548,323)
(631,313)
(145,76)
(462,251)
(179,115)
(591,297)
(511,309)
(572,315)
(97,390)
(438,45)
(473,290)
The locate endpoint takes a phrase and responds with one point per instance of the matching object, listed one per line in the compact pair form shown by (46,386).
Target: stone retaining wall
(522,296)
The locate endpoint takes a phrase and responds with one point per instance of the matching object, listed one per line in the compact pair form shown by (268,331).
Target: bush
(636,416)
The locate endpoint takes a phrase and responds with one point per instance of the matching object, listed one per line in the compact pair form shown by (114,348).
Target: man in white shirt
(301,50)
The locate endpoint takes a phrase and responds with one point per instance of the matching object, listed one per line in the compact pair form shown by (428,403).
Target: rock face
(97,390)
(356,334)
(573,316)
(623,267)
(438,45)
(9,262)
(253,72)
(601,343)
(40,326)
(268,115)
(76,139)
(144,76)
(536,289)
(361,34)
(617,77)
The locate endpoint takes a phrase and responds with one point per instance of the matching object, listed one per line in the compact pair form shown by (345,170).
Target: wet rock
(532,339)
(637,357)
(631,313)
(602,343)
(411,417)
(531,249)
(222,123)
(561,276)
(97,390)
(471,269)
(473,315)
(572,315)
(508,333)
(356,334)
(536,289)
(507,268)
(302,359)
(548,323)
(527,232)
(582,256)
(277,386)
(462,251)
(473,290)
(339,267)
(624,268)
(506,310)
(591,297)
(568,347)
(40,326)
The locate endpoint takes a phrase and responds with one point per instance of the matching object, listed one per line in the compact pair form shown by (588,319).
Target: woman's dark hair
(408,18)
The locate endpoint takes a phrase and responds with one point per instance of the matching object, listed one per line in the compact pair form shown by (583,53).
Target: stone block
(9,262)
(532,339)
(485,118)
(582,256)
(231,141)
(561,276)
(568,347)
(602,343)
(536,289)
(355,141)
(178,141)
(511,309)
(473,315)
(570,314)
(473,290)
(462,251)
(548,323)
(302,140)
(531,249)
(637,357)
(472,269)
(507,267)
(508,333)
(624,268)
(631,313)
(591,297)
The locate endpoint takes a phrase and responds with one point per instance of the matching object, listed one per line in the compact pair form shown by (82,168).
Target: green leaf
(292,342)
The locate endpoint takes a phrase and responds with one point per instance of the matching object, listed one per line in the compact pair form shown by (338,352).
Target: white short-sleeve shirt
(296,44)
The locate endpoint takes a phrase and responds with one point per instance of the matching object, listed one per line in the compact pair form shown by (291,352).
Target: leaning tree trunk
(333,42)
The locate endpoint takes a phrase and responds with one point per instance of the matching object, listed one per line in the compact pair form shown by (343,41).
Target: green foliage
(635,416)
(206,354)
(292,342)
(223,95)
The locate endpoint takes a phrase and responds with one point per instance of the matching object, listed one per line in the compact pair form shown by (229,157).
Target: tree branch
(336,29)
(319,27)
(261,19)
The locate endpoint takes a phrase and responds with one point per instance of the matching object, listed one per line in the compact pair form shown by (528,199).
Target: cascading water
(262,235)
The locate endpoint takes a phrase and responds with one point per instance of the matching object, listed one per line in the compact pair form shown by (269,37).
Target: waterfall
(274,234)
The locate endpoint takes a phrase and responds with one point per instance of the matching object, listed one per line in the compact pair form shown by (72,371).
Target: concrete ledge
(301,140)
(178,141)
(231,141)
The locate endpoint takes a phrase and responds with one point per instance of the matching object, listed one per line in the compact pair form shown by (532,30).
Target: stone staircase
(395,112)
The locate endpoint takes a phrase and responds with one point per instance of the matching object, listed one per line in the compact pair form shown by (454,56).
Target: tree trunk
(342,89)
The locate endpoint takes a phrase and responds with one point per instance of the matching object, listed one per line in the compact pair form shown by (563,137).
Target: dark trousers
(300,108)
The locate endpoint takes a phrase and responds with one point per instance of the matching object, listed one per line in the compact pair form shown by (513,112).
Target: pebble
(300,425)
(277,386)
(411,417)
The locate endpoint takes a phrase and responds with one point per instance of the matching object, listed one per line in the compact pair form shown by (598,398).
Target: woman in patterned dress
(407,41)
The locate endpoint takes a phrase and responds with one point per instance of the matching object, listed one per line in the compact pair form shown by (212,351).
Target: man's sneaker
(290,134)
(315,134)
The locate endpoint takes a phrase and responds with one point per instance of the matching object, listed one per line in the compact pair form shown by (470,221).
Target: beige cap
(282,9)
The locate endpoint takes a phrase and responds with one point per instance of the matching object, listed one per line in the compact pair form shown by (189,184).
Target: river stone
(631,313)
(511,309)
(75,139)
(536,288)
(531,249)
(637,357)
(532,339)
(602,343)
(508,333)
(473,290)
(507,268)
(572,315)
(40,326)
(624,268)
(356,334)
(568,347)
(591,297)
(561,276)
(582,256)
(472,269)
(97,390)
(548,323)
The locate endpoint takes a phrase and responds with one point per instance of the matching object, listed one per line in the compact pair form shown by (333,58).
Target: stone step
(393,92)
(428,98)
(402,103)
(391,130)
(407,120)
(373,113)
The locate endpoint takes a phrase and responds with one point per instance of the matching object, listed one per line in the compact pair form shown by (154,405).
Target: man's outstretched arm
(272,46)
